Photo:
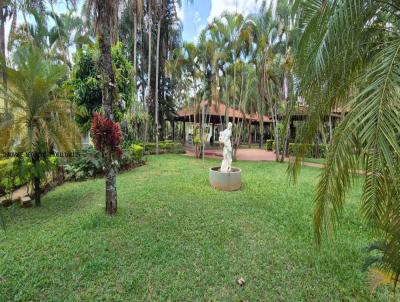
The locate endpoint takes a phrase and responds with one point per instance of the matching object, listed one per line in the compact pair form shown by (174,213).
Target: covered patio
(215,116)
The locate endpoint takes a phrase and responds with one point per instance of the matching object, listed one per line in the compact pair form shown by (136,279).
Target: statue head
(229,125)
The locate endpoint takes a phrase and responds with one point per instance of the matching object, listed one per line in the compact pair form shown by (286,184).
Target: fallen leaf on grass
(240,282)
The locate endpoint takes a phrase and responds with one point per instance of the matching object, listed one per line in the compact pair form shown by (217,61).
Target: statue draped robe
(225,138)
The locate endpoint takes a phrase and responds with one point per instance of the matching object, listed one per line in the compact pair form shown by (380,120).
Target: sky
(197,15)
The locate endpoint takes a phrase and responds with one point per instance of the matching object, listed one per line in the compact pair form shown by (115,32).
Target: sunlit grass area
(177,239)
(321,161)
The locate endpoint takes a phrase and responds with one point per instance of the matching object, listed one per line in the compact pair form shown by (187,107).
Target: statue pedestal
(225,181)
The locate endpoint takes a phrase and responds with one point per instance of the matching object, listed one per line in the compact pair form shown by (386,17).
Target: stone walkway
(248,155)
(242,154)
(21,192)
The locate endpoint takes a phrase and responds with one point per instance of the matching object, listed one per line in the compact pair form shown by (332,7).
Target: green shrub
(273,145)
(150,147)
(166,146)
(309,152)
(136,151)
(197,140)
(88,165)
(15,172)
(269,144)
(8,175)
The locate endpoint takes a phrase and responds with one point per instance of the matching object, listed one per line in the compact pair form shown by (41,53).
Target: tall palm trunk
(105,21)
(261,129)
(3,17)
(157,80)
(134,49)
(147,102)
(276,131)
(274,114)
(288,85)
(36,190)
(236,142)
(36,180)
(214,79)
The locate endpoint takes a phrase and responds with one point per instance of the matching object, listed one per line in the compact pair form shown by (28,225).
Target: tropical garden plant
(349,58)
(38,121)
(86,84)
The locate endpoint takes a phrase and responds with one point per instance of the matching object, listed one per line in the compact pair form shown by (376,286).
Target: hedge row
(90,163)
(310,149)
(15,172)
(165,147)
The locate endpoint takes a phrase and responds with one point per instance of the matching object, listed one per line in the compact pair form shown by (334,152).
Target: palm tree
(231,40)
(68,31)
(6,11)
(106,17)
(160,13)
(349,57)
(136,8)
(39,115)
(149,19)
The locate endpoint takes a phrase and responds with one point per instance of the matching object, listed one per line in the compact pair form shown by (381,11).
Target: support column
(173,130)
(212,140)
(292,131)
(184,131)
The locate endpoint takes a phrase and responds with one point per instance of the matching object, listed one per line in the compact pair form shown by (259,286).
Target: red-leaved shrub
(106,134)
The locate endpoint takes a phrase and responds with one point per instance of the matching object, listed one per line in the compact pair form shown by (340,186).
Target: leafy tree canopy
(86,83)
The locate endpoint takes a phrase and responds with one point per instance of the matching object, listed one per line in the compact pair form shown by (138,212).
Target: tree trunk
(142,71)
(134,46)
(105,26)
(157,80)
(3,55)
(276,131)
(36,179)
(285,150)
(36,189)
(134,51)
(261,129)
(214,84)
(249,133)
(146,128)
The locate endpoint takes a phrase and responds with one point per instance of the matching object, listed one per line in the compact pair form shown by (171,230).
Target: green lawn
(321,161)
(176,239)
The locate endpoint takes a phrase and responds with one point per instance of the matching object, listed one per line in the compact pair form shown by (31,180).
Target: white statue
(225,138)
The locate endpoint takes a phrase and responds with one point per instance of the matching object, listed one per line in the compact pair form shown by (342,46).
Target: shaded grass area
(321,161)
(175,238)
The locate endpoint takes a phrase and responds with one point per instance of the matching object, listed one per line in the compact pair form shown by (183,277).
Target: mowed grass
(177,239)
(321,161)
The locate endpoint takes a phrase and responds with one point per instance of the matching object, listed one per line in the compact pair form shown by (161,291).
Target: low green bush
(9,175)
(269,144)
(90,163)
(310,149)
(15,172)
(166,146)
(136,151)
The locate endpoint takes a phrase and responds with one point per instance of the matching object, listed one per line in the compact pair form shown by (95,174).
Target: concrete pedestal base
(225,181)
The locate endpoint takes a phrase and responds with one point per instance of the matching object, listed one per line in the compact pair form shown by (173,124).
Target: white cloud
(244,7)
(197,18)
